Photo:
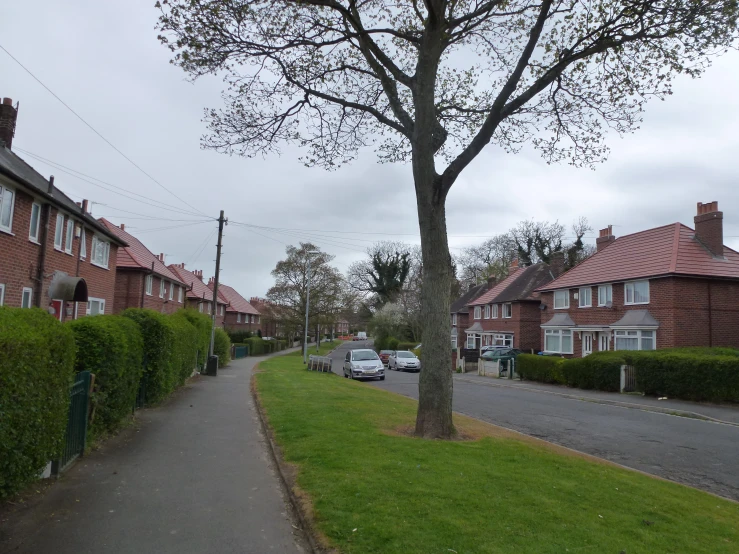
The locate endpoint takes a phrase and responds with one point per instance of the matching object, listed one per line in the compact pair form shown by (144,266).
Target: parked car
(494,347)
(363,364)
(403,360)
(385,355)
(500,352)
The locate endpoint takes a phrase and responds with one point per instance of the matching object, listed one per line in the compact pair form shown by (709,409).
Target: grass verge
(374,489)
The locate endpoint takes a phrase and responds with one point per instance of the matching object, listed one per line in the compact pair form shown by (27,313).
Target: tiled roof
(237,303)
(199,289)
(136,255)
(460,304)
(668,250)
(17,169)
(525,283)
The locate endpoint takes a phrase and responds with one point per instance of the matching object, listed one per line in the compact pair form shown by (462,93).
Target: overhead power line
(113,146)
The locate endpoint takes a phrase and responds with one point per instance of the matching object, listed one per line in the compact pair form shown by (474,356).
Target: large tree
(435,82)
(381,276)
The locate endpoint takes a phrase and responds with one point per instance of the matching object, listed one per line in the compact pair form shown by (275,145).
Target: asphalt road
(690,451)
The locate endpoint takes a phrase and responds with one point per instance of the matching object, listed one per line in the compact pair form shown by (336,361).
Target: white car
(363,364)
(402,360)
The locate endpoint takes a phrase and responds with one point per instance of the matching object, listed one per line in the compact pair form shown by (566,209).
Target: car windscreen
(405,355)
(364,355)
(386,351)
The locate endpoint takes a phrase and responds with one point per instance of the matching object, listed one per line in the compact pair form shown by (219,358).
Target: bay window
(558,341)
(470,342)
(636,292)
(561,299)
(634,340)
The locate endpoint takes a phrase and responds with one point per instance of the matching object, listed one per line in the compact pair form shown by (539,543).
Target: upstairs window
(162,288)
(35,222)
(487,311)
(171,291)
(478,312)
(179,295)
(6,208)
(83,244)
(605,295)
(507,310)
(495,311)
(70,237)
(561,299)
(59,231)
(636,292)
(238,318)
(454,320)
(100,252)
(586,297)
(149,284)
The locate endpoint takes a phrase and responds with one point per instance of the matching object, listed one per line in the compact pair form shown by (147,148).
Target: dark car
(385,355)
(500,353)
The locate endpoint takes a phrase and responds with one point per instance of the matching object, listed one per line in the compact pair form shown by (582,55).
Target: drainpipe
(45,216)
(710,317)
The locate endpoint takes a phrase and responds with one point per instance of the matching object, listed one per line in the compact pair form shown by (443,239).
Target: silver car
(403,360)
(363,364)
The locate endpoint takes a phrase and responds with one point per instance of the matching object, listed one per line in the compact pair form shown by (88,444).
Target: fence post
(623,378)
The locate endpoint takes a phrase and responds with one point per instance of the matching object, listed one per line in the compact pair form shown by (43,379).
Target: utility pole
(221,222)
(307,307)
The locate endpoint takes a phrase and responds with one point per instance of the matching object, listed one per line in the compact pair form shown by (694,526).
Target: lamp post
(307,307)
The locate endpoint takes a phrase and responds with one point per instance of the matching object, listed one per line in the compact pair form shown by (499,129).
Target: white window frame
(238,317)
(454,320)
(33,233)
(162,288)
(59,232)
(223,309)
(454,340)
(637,334)
(97,244)
(472,338)
(560,333)
(29,291)
(605,294)
(2,294)
(171,290)
(477,312)
(585,297)
(99,301)
(83,244)
(495,311)
(3,190)
(507,310)
(149,284)
(179,294)
(631,287)
(566,305)
(502,340)
(487,311)
(69,236)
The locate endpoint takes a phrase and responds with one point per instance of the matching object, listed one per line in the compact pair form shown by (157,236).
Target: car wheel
(382,378)
(345,375)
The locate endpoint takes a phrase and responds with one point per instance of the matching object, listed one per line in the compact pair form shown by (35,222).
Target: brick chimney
(709,227)
(8,116)
(210,281)
(557,263)
(85,204)
(605,238)
(161,258)
(123,226)
(492,281)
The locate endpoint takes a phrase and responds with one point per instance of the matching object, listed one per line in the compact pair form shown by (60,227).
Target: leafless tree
(435,82)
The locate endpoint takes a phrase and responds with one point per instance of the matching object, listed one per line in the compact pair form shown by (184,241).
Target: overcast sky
(103,59)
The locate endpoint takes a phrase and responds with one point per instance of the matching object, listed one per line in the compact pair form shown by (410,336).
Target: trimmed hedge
(239,336)
(545,369)
(222,347)
(599,370)
(256,346)
(185,347)
(405,346)
(112,348)
(203,324)
(37,367)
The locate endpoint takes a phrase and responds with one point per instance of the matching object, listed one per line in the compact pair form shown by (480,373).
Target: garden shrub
(393,343)
(185,347)
(203,323)
(37,368)
(599,370)
(256,346)
(545,369)
(222,347)
(406,346)
(112,348)
(239,336)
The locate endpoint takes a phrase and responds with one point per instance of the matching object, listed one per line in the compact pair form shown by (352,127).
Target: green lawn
(375,489)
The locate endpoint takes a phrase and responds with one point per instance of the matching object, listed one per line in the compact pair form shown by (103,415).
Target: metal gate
(628,378)
(74,439)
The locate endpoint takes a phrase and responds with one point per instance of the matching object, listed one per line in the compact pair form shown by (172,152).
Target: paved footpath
(192,477)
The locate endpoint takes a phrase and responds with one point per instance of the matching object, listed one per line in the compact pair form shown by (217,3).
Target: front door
(587,344)
(603,342)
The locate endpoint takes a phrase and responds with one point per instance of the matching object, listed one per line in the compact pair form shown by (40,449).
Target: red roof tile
(668,250)
(237,303)
(199,289)
(497,289)
(136,255)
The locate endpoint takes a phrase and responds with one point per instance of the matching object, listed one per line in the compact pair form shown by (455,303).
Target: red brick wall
(193,303)
(18,255)
(130,285)
(680,304)
(524,323)
(245,325)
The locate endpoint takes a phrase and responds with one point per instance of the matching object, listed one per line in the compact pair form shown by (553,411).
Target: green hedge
(36,370)
(186,347)
(238,336)
(222,347)
(256,346)
(406,346)
(600,371)
(112,348)
(545,369)
(203,323)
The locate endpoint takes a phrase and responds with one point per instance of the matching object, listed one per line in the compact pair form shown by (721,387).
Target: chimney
(84,206)
(123,226)
(513,266)
(8,116)
(605,238)
(161,258)
(557,263)
(709,227)
(50,190)
(210,281)
(492,280)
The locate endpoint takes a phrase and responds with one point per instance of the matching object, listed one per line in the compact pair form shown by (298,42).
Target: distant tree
(434,83)
(383,273)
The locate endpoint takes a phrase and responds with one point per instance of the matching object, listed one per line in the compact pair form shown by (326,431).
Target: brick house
(240,315)
(142,280)
(53,254)
(341,328)
(664,287)
(460,312)
(197,295)
(508,313)
(270,324)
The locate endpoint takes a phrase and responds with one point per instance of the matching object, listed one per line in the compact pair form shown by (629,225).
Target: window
(35,222)
(507,310)
(470,341)
(634,340)
(100,252)
(558,341)
(2,294)
(200,306)
(454,340)
(605,294)
(95,306)
(27,298)
(487,311)
(495,311)
(561,299)
(59,233)
(162,288)
(83,244)
(502,340)
(223,310)
(478,312)
(149,283)
(171,291)
(6,208)
(238,318)
(256,317)
(636,292)
(586,297)
(179,295)
(454,320)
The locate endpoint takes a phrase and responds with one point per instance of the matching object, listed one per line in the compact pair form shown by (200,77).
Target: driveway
(690,451)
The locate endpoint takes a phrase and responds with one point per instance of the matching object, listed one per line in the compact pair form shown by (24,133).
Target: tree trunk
(434,418)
